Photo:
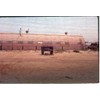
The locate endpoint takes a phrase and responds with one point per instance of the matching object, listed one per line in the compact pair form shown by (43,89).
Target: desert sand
(62,67)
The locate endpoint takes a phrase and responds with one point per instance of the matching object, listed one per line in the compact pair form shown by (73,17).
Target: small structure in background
(47,48)
(27,31)
(94,46)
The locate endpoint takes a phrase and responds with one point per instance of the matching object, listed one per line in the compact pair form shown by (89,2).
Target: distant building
(13,41)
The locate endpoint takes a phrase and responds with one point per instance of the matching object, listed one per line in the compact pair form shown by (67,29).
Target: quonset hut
(15,41)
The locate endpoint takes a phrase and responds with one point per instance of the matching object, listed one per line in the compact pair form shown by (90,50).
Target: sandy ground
(63,67)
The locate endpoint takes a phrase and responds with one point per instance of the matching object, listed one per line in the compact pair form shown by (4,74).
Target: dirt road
(32,67)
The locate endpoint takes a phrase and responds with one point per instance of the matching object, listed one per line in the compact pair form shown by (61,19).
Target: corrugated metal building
(15,41)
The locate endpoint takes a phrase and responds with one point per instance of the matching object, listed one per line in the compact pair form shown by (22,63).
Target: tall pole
(20,31)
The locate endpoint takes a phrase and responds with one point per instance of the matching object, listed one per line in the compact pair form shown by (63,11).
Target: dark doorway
(47,48)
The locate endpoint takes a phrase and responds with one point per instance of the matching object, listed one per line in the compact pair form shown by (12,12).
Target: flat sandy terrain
(63,67)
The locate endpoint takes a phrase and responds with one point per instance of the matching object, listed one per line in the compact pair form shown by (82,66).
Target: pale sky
(85,26)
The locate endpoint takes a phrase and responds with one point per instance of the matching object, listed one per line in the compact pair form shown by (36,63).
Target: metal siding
(73,41)
(57,48)
(7,46)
